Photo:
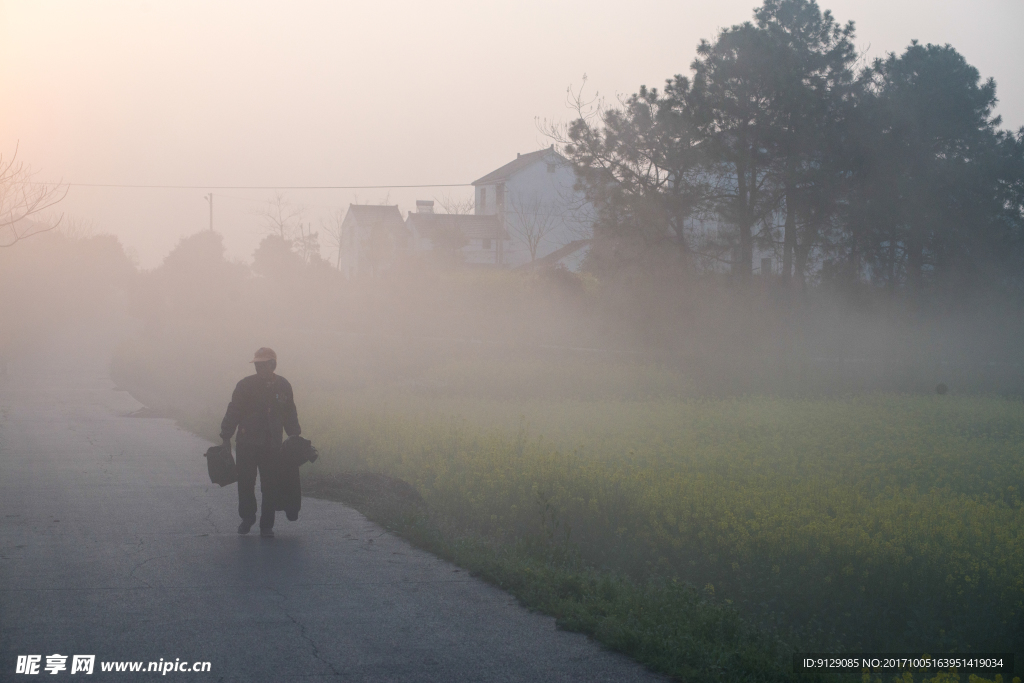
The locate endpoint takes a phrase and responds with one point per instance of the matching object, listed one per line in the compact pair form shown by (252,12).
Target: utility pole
(209,198)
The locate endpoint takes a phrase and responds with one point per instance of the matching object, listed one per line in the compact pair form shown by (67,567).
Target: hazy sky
(183,92)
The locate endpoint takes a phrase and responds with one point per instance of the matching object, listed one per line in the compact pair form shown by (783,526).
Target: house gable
(521,162)
(373,237)
(535,199)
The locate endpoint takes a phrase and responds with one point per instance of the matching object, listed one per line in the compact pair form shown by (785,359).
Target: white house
(373,238)
(545,219)
(469,239)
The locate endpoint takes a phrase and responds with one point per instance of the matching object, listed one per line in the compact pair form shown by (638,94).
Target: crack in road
(208,518)
(131,574)
(303,632)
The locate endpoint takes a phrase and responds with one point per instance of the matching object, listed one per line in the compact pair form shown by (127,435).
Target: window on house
(483,199)
(487,243)
(499,197)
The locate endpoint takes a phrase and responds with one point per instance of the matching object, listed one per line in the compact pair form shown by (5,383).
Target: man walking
(261,406)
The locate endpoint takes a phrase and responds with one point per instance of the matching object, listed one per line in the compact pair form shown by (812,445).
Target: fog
(138,106)
(374,99)
(273,94)
(426,329)
(740,355)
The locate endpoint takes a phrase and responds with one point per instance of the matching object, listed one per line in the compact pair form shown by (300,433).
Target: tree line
(784,143)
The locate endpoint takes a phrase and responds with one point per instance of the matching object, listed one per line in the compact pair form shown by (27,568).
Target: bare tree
(456,206)
(307,243)
(282,218)
(531,220)
(76,228)
(21,197)
(332,228)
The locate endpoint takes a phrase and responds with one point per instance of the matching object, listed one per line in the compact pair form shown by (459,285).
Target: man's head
(265,361)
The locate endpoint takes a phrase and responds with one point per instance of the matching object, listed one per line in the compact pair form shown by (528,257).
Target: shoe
(267,533)
(244,526)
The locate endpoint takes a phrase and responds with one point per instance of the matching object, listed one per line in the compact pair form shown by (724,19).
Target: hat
(264,354)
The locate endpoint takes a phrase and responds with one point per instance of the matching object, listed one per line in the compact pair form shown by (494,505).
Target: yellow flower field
(879,522)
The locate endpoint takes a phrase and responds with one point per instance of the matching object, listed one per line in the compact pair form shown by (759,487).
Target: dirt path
(113,543)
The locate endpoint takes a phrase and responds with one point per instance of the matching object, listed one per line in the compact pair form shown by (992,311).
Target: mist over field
(715,372)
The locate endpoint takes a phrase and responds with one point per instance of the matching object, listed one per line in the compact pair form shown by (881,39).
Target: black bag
(299,451)
(287,485)
(221,465)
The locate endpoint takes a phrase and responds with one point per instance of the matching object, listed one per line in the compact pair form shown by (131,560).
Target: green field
(708,538)
(875,522)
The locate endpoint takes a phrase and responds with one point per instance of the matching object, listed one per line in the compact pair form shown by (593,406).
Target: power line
(260,187)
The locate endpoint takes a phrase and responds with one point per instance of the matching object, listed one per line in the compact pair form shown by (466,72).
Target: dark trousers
(249,460)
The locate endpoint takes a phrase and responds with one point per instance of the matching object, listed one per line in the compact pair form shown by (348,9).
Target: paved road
(113,543)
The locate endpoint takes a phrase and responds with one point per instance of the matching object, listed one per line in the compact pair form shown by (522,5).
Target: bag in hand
(299,451)
(221,465)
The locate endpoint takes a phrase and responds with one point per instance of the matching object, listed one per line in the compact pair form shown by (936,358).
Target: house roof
(521,161)
(472,226)
(376,215)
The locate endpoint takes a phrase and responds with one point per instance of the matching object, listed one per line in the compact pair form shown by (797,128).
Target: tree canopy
(781,144)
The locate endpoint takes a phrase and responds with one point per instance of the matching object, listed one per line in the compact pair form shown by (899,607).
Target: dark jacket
(260,409)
